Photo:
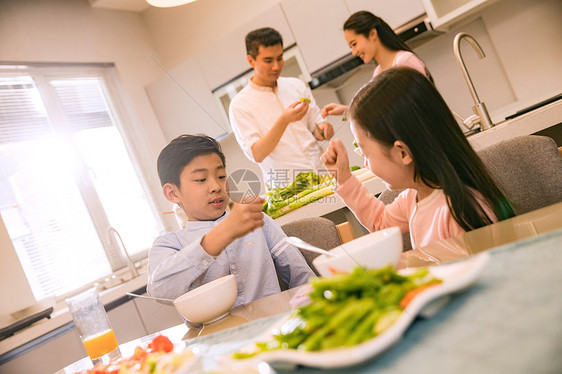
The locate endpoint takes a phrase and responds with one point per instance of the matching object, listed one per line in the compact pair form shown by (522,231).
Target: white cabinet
(126,322)
(394,12)
(156,316)
(318,29)
(184,104)
(225,59)
(64,349)
(443,13)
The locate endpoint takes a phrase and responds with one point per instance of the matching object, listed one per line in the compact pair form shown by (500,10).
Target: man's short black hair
(265,36)
(180,152)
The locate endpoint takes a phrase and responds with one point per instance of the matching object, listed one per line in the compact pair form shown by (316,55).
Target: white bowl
(374,250)
(210,302)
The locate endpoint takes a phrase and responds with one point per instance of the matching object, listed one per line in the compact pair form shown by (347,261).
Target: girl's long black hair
(401,104)
(363,22)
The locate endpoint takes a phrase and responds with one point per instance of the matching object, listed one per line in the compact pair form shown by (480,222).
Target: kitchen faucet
(112,232)
(481,113)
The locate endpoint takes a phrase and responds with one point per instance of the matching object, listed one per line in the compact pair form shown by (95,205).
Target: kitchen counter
(526,124)
(38,333)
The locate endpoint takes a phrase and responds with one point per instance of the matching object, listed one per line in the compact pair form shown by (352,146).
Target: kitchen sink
(535,106)
(122,276)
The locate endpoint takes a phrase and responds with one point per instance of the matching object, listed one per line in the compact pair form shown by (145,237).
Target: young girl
(370,38)
(409,138)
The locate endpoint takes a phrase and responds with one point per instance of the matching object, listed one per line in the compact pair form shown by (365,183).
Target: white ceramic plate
(192,364)
(455,277)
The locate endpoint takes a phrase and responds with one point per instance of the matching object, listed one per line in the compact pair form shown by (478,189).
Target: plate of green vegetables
(306,188)
(354,317)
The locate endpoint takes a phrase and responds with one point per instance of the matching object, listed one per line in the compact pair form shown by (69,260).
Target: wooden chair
(345,232)
(528,169)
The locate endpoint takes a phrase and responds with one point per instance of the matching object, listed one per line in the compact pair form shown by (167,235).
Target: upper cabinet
(443,13)
(225,59)
(318,29)
(184,104)
(394,12)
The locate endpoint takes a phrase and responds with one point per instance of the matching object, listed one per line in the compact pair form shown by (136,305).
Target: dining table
(508,321)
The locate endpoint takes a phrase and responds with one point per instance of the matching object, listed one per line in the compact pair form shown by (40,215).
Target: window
(66,176)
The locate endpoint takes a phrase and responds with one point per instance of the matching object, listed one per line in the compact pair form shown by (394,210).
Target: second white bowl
(209,302)
(374,250)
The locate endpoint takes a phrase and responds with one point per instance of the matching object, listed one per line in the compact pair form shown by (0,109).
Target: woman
(370,38)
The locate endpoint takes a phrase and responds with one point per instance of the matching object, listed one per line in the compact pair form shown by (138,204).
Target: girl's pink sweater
(427,221)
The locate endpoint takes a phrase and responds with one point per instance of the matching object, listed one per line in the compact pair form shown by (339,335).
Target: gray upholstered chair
(528,169)
(388,196)
(318,231)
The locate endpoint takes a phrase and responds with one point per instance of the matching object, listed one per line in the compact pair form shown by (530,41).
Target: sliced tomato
(407,299)
(139,353)
(104,369)
(161,343)
(334,271)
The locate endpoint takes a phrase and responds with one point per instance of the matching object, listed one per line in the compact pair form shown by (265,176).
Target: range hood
(414,33)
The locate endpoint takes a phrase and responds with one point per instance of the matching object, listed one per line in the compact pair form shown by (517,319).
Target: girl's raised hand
(336,161)
(333,109)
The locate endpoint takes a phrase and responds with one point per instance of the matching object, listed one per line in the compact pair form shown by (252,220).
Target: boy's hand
(245,216)
(336,161)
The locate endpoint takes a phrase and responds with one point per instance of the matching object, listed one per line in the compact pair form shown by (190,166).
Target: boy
(269,119)
(215,243)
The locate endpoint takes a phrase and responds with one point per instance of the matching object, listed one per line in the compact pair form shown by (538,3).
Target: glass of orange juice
(93,326)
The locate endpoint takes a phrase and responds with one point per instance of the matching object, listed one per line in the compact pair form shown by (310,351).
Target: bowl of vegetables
(374,250)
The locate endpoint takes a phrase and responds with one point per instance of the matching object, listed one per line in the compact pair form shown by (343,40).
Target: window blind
(66,176)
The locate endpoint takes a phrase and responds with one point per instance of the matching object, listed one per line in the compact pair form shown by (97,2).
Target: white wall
(182,32)
(11,274)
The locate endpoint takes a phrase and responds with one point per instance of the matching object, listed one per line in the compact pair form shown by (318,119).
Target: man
(275,119)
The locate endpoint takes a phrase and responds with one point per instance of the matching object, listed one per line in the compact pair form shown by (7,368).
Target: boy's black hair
(180,152)
(401,104)
(265,36)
